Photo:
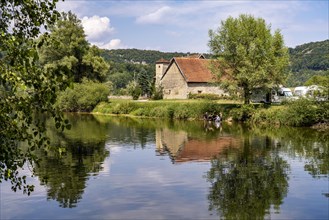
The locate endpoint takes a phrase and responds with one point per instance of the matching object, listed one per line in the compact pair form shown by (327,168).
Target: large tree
(25,89)
(249,56)
(67,52)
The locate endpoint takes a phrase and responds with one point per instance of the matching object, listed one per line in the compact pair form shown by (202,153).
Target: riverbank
(300,113)
(173,109)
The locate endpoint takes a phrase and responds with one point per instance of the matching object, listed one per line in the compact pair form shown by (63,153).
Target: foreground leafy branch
(26,90)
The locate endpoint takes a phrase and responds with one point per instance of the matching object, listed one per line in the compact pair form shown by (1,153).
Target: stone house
(182,76)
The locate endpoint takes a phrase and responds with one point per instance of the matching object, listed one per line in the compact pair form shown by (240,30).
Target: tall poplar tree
(249,56)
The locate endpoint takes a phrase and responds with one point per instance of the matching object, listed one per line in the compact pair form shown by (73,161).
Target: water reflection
(82,151)
(303,143)
(227,172)
(246,182)
(183,148)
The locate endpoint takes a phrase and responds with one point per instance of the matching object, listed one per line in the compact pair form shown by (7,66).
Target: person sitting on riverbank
(217,118)
(206,116)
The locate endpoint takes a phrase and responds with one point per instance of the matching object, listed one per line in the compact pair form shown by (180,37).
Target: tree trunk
(246,95)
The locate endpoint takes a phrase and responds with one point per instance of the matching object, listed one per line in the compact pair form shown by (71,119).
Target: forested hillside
(138,56)
(307,60)
(311,56)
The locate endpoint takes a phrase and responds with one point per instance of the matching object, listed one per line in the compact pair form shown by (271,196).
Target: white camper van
(312,91)
(300,91)
(277,95)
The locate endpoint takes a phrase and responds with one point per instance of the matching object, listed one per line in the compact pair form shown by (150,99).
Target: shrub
(203,96)
(243,113)
(124,107)
(134,89)
(302,112)
(83,97)
(157,93)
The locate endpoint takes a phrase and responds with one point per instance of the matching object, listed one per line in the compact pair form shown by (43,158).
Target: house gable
(192,69)
(173,82)
(186,75)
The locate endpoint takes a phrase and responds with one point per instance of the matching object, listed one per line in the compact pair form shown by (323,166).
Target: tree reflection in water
(81,156)
(247,182)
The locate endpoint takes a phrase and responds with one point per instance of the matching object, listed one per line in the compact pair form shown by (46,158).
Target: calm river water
(123,168)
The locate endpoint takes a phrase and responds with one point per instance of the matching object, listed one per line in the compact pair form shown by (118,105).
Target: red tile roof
(194,69)
(162,61)
(200,56)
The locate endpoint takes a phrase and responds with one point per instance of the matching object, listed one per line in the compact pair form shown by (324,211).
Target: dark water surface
(121,168)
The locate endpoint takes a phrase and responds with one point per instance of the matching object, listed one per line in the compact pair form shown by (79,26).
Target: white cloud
(113,44)
(178,19)
(77,7)
(157,16)
(96,27)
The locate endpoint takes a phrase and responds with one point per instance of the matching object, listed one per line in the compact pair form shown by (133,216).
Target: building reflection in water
(182,148)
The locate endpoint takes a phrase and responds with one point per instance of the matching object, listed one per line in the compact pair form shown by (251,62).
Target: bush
(302,112)
(157,93)
(83,97)
(243,113)
(134,89)
(124,108)
(203,96)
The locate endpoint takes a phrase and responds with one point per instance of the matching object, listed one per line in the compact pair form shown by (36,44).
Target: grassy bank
(300,113)
(180,109)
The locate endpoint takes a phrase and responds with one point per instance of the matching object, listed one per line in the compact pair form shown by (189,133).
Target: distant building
(184,75)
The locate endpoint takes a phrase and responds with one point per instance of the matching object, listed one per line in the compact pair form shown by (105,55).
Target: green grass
(298,113)
(173,109)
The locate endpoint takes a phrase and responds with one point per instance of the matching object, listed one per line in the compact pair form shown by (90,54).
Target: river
(127,168)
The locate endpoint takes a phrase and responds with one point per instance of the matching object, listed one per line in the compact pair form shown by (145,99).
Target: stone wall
(160,69)
(174,85)
(205,88)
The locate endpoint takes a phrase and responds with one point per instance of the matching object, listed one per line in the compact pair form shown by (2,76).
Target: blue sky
(183,26)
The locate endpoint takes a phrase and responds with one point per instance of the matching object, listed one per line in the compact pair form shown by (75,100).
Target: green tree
(67,52)
(120,80)
(83,97)
(25,89)
(145,82)
(318,80)
(249,56)
(134,89)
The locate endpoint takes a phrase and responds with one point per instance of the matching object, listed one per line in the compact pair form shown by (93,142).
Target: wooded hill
(307,59)
(138,56)
(311,56)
